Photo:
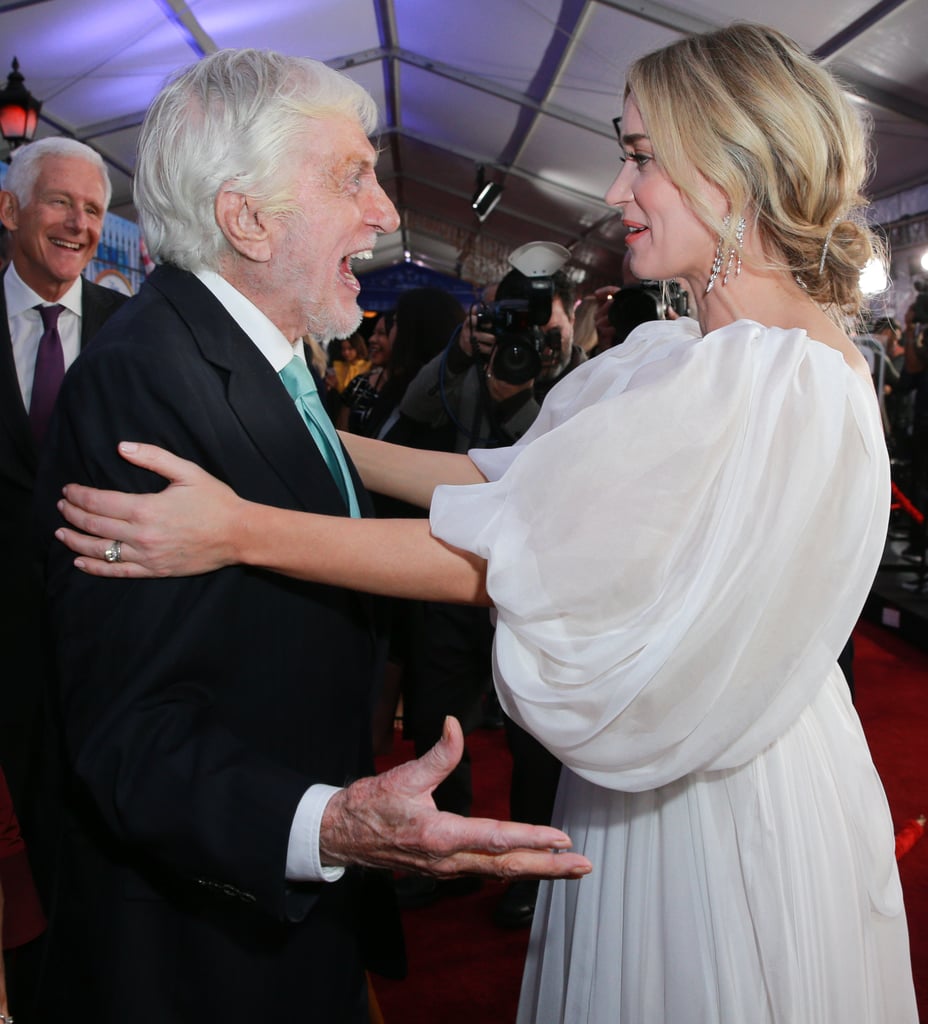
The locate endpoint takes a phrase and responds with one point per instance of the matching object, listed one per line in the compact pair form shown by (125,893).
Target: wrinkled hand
(390,821)
(184,530)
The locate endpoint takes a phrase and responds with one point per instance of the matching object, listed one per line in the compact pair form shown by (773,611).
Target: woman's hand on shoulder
(187,529)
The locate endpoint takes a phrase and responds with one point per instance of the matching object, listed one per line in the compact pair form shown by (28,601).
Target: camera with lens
(650,300)
(521,309)
(516,328)
(676,298)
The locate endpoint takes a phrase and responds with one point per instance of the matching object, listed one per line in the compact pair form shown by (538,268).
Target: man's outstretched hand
(390,821)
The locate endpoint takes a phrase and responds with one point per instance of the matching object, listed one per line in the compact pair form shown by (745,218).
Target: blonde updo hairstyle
(747,110)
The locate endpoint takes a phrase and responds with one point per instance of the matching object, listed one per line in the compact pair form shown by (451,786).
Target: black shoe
(915,586)
(517,907)
(413,891)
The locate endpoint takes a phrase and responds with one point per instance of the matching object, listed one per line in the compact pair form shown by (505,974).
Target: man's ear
(9,210)
(243,225)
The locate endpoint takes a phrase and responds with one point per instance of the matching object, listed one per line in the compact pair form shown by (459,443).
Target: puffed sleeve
(678,551)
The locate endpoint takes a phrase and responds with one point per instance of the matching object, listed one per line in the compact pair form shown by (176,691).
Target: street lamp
(19,110)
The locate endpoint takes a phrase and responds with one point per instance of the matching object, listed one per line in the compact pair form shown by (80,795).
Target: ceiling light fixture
(487,195)
(19,110)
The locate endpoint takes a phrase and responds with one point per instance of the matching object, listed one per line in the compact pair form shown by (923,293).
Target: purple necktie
(49,373)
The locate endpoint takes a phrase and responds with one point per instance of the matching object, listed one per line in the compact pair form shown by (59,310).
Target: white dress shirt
(26,328)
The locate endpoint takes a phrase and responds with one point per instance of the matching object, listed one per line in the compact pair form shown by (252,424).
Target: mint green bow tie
(302,389)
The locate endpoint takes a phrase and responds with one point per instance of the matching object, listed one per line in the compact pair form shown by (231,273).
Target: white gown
(677,551)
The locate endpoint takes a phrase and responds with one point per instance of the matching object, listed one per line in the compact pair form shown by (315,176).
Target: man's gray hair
(232,117)
(27,160)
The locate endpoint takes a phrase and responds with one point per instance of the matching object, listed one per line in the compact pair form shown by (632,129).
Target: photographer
(559,355)
(623,309)
(914,378)
(465,386)
(489,383)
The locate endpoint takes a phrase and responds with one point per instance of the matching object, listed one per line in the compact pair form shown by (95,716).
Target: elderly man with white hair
(53,203)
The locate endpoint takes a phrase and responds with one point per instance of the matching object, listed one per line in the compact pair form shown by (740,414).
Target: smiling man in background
(53,203)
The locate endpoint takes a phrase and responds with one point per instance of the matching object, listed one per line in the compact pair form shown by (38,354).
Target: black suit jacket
(196,711)
(19,637)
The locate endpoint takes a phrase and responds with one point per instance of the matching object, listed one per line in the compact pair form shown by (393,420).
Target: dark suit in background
(198,710)
(19,625)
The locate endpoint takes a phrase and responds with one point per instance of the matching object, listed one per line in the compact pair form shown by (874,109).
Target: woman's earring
(734,257)
(716,268)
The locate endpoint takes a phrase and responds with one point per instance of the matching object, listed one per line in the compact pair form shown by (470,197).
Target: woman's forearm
(395,557)
(408,474)
(198,524)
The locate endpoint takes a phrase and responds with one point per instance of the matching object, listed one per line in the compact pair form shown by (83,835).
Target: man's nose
(384,215)
(77,218)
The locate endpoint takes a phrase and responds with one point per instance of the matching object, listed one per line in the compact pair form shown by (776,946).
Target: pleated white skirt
(766,894)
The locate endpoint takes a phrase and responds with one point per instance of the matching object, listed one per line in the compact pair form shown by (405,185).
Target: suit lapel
(14,420)
(255,393)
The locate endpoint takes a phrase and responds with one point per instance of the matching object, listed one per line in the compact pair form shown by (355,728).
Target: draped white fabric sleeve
(679,547)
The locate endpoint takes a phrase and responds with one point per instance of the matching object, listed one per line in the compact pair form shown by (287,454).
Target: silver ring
(4,1019)
(112,554)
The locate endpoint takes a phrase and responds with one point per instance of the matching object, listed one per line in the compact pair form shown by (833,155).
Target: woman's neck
(770,298)
(775,299)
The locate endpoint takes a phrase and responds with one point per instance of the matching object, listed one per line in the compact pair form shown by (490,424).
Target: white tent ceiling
(524,88)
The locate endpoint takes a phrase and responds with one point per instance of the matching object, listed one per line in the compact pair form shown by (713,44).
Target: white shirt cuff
(303,861)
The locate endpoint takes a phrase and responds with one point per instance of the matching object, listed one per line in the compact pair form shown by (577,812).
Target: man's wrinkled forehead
(344,149)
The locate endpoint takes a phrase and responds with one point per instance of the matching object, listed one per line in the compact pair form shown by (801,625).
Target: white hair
(26,164)
(233,116)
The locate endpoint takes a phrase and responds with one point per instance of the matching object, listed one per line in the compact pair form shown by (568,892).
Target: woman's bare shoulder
(830,334)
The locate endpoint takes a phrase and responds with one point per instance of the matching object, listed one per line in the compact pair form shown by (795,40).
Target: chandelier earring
(732,261)
(716,267)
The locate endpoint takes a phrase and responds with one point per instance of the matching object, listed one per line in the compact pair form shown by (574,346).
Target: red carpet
(892,701)
(461,967)
(463,970)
